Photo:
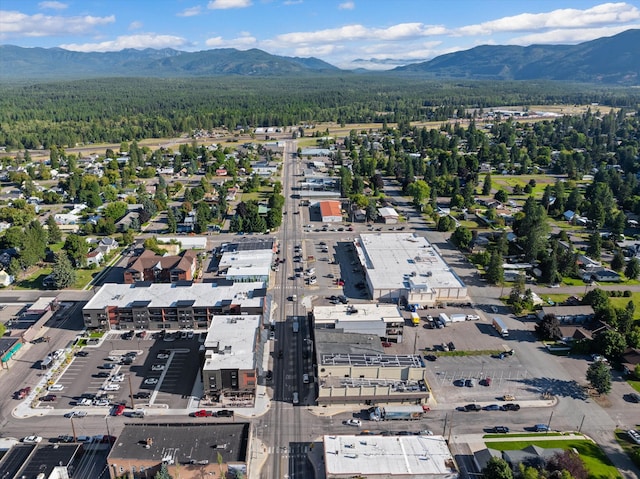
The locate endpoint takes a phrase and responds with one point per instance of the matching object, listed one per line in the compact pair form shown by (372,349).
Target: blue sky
(374,34)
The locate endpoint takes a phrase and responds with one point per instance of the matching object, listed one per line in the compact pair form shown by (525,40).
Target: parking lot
(166,370)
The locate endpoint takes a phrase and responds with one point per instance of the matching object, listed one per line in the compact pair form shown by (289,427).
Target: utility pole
(581,423)
(73,431)
(133,406)
(549,423)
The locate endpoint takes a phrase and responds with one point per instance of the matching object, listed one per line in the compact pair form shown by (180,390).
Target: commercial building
(231,357)
(246,265)
(189,450)
(353,368)
(411,271)
(383,320)
(182,305)
(330,211)
(389,215)
(397,457)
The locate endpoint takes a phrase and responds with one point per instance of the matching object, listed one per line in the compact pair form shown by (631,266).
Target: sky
(372,34)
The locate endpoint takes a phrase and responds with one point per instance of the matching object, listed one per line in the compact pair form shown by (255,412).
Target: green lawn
(532,434)
(595,460)
(34,281)
(629,447)
(84,276)
(634,384)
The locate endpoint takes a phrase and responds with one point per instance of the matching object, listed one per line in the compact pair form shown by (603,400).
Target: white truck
(499,326)
(444,319)
(458,318)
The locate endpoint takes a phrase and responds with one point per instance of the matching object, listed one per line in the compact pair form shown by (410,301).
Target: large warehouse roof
(388,456)
(396,260)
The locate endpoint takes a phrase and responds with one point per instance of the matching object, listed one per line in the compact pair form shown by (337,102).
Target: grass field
(595,460)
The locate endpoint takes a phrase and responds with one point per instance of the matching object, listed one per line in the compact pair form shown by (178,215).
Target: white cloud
(570,36)
(149,40)
(292,2)
(53,5)
(135,25)
(400,31)
(227,4)
(243,41)
(604,14)
(347,6)
(16,24)
(190,12)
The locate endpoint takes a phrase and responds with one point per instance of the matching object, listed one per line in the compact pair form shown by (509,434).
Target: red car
(202,413)
(386,345)
(119,410)
(23,393)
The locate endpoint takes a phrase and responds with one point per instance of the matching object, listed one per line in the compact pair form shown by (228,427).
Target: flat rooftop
(404,260)
(29,461)
(388,456)
(234,338)
(183,442)
(167,295)
(335,313)
(331,343)
(377,360)
(248,263)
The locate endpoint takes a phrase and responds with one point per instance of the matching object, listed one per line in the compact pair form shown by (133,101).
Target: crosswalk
(289,451)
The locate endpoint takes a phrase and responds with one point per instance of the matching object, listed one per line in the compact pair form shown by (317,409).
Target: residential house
(161,269)
(389,215)
(630,359)
(569,314)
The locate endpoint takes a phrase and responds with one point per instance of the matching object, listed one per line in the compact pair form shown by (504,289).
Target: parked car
(492,407)
(353,422)
(23,393)
(82,353)
(431,357)
(142,395)
(202,413)
(540,428)
(157,367)
(48,398)
(101,374)
(65,438)
(108,366)
(151,381)
(470,383)
(32,439)
(55,387)
(76,414)
(224,413)
(473,407)
(119,410)
(486,382)
(510,407)
(634,435)
(111,387)
(508,397)
(269,375)
(634,397)
(118,378)
(500,429)
(452,347)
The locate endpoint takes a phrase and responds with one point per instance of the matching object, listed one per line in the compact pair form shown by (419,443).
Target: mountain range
(609,60)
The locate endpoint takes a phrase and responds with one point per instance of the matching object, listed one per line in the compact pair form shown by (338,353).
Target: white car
(634,435)
(85,402)
(353,422)
(162,356)
(118,378)
(56,387)
(32,440)
(151,381)
(101,402)
(111,387)
(426,433)
(113,358)
(157,367)
(76,414)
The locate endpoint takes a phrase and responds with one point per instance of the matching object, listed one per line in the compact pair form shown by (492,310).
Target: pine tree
(63,273)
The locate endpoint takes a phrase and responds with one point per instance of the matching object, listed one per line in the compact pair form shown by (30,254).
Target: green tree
(497,468)
(163,473)
(549,327)
(486,186)
(445,223)
(501,195)
(462,238)
(76,248)
(610,343)
(594,249)
(632,269)
(599,376)
(53,231)
(617,262)
(597,298)
(172,224)
(64,275)
(420,191)
(495,271)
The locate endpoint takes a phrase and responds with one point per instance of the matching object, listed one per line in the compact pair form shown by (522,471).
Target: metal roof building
(397,457)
